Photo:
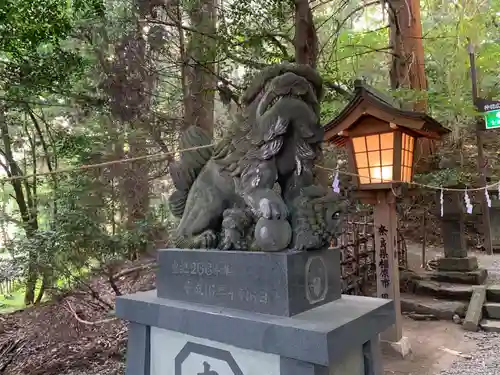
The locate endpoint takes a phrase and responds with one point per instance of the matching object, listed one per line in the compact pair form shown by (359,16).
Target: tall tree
(407,67)
(306,38)
(199,65)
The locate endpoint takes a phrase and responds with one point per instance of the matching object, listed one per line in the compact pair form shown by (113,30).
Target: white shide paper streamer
(487,196)
(468,204)
(336,183)
(441,200)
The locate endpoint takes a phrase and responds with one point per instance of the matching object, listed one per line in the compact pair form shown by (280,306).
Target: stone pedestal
(464,264)
(459,270)
(269,283)
(474,277)
(243,313)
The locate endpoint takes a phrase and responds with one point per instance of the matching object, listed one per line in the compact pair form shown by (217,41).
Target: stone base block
(182,338)
(401,347)
(457,264)
(475,277)
(460,292)
(475,309)
(283,283)
(441,309)
(492,310)
(489,325)
(496,247)
(493,293)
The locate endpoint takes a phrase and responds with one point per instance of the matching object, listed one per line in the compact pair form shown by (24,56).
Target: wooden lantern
(380,138)
(382,157)
(381,142)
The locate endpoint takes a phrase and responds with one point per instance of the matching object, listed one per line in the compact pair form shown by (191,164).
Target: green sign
(492,119)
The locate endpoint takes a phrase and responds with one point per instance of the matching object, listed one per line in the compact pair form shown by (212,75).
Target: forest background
(93,81)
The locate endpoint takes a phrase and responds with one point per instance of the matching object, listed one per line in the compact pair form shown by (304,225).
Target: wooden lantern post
(380,140)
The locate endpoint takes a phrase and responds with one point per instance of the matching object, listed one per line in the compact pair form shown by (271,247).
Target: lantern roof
(369,102)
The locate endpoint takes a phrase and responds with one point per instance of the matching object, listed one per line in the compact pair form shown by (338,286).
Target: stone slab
(457,264)
(476,277)
(475,309)
(322,335)
(492,310)
(493,293)
(277,283)
(289,366)
(179,354)
(176,353)
(441,309)
(460,292)
(138,350)
(373,358)
(489,325)
(170,352)
(351,364)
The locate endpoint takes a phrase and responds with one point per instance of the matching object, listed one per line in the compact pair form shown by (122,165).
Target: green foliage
(33,57)
(257,32)
(81,240)
(444,177)
(12,303)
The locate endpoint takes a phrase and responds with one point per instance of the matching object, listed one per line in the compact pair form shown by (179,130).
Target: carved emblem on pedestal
(208,352)
(207,371)
(316,279)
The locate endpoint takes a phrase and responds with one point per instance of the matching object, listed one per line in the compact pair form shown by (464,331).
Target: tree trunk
(25,204)
(51,161)
(306,38)
(407,69)
(130,83)
(306,52)
(201,54)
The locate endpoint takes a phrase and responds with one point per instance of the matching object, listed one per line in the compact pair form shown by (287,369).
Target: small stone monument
(456,266)
(495,222)
(254,289)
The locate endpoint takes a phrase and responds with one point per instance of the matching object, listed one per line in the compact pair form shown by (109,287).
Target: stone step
(475,309)
(440,308)
(459,292)
(490,325)
(452,291)
(476,277)
(492,310)
(493,293)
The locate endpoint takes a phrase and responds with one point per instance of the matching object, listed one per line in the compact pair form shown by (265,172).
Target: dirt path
(427,340)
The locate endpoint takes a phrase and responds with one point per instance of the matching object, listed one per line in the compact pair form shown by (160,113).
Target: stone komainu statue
(255,189)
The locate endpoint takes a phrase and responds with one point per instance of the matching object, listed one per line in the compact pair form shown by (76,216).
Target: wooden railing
(357,246)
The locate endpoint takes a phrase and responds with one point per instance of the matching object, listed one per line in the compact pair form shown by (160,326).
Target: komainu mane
(255,190)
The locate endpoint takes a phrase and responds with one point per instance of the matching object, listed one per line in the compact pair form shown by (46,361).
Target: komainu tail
(186,169)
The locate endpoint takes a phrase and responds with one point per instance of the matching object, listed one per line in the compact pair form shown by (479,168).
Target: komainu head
(289,91)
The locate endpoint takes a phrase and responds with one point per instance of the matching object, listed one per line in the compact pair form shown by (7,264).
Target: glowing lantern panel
(407,145)
(374,156)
